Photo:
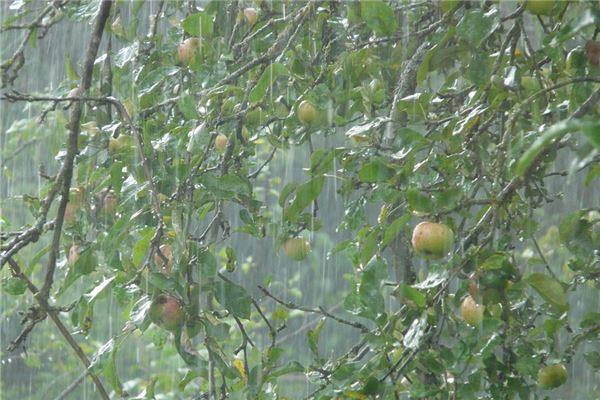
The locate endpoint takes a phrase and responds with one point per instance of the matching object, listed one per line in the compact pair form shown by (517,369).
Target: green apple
(307,113)
(167,312)
(296,248)
(432,240)
(552,376)
(471,312)
(186,51)
(221,143)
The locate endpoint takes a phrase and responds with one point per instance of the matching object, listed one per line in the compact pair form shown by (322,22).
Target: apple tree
(240,181)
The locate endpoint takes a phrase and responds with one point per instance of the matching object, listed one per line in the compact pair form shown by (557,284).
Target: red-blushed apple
(167,312)
(471,312)
(221,143)
(186,51)
(307,113)
(167,251)
(432,240)
(552,376)
(251,15)
(296,248)
(73,255)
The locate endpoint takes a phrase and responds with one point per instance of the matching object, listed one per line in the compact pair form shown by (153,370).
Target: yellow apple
(251,15)
(221,143)
(167,266)
(167,312)
(552,376)
(471,312)
(307,113)
(432,240)
(186,51)
(296,248)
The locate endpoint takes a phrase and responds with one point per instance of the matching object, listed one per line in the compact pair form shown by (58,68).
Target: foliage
(448,113)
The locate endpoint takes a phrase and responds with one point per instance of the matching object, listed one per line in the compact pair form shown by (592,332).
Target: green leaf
(475,26)
(370,295)
(375,171)
(199,24)
(305,194)
(13,286)
(425,68)
(313,337)
(378,16)
(321,161)
(555,132)
(406,293)
(234,298)
(140,248)
(394,229)
(226,186)
(592,132)
(270,74)
(187,106)
(575,232)
(549,289)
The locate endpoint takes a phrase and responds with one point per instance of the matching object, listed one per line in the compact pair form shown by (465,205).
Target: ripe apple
(251,15)
(186,51)
(221,143)
(73,256)
(471,312)
(432,240)
(296,248)
(307,113)
(167,251)
(552,376)
(167,312)
(540,7)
